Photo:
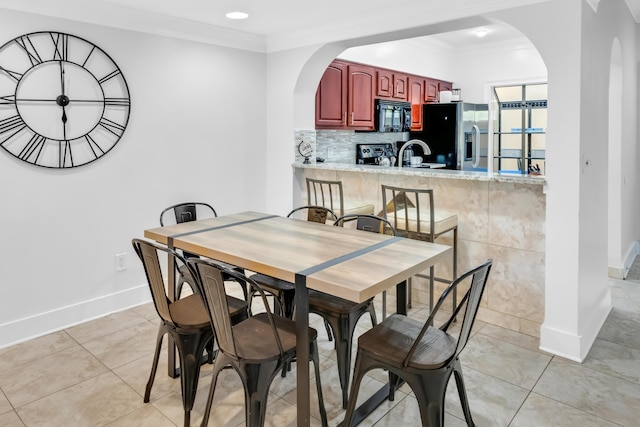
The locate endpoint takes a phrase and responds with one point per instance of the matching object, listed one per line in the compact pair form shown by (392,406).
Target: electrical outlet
(120,262)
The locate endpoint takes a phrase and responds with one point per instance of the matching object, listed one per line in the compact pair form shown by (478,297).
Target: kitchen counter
(426,172)
(500,216)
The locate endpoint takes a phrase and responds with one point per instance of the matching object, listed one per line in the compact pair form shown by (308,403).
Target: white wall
(196,132)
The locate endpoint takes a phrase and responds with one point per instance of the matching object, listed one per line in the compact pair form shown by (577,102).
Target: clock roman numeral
(115,128)
(13,74)
(11,123)
(61,44)
(64,154)
(117,102)
(88,56)
(93,145)
(31,152)
(8,100)
(27,45)
(109,76)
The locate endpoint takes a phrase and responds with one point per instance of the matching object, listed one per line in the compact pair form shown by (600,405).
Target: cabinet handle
(345,117)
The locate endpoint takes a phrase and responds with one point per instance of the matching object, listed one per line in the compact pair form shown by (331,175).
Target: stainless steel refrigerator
(456,133)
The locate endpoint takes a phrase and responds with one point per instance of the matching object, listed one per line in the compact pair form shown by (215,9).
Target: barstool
(405,209)
(329,194)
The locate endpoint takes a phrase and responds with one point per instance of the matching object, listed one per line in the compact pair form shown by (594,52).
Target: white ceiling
(281,24)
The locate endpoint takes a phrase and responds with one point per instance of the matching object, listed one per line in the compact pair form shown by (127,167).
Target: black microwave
(392,116)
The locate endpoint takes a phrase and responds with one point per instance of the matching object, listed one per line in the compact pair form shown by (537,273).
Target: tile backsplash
(339,146)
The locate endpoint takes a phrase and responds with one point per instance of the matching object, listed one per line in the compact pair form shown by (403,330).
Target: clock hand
(62,77)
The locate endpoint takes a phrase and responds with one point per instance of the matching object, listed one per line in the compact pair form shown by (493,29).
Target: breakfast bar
(500,216)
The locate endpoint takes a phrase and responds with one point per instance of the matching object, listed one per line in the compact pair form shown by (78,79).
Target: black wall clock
(63,101)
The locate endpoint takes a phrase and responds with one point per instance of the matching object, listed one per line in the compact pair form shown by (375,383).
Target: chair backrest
(370,223)
(404,206)
(318,214)
(325,193)
(210,281)
(148,254)
(185,212)
(470,302)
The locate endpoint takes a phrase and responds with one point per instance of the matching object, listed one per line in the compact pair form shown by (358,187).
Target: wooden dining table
(341,261)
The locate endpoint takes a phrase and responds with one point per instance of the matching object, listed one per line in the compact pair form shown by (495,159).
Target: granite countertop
(436,173)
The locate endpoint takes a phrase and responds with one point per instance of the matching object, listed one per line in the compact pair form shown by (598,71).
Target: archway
(497,67)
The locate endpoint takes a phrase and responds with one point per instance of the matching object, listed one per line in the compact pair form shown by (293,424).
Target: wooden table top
(348,263)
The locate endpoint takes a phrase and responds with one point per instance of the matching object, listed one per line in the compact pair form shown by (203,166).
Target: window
(519,128)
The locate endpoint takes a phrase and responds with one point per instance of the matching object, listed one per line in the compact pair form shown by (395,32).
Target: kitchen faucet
(425,149)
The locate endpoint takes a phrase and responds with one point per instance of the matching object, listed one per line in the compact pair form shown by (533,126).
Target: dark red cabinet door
(331,97)
(360,100)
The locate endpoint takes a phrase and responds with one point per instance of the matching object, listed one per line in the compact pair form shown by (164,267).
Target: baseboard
(620,272)
(20,330)
(576,346)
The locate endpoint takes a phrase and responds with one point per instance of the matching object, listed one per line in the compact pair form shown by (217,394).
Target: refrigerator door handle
(476,148)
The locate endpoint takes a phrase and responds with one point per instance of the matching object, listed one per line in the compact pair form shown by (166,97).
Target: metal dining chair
(257,348)
(186,212)
(185,319)
(422,355)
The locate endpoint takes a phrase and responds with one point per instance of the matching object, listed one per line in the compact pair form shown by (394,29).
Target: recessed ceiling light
(237,15)
(481,32)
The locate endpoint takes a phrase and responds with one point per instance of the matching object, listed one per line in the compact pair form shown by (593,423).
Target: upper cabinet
(431,90)
(346,95)
(331,97)
(344,98)
(384,86)
(400,87)
(416,94)
(360,97)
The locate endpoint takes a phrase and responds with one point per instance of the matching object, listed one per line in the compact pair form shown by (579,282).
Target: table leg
(302,351)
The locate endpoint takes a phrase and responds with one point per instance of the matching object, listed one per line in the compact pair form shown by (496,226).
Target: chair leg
(316,367)
(328,328)
(154,366)
(190,349)
(288,299)
(462,392)
(430,391)
(384,305)
(257,380)
(342,328)
(362,366)
(219,364)
(372,312)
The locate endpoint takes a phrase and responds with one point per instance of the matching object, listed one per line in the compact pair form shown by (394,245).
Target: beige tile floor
(94,374)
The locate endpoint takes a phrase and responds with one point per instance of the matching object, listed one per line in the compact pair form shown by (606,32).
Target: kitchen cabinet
(400,87)
(384,86)
(360,106)
(444,86)
(391,85)
(344,98)
(416,94)
(431,90)
(331,97)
